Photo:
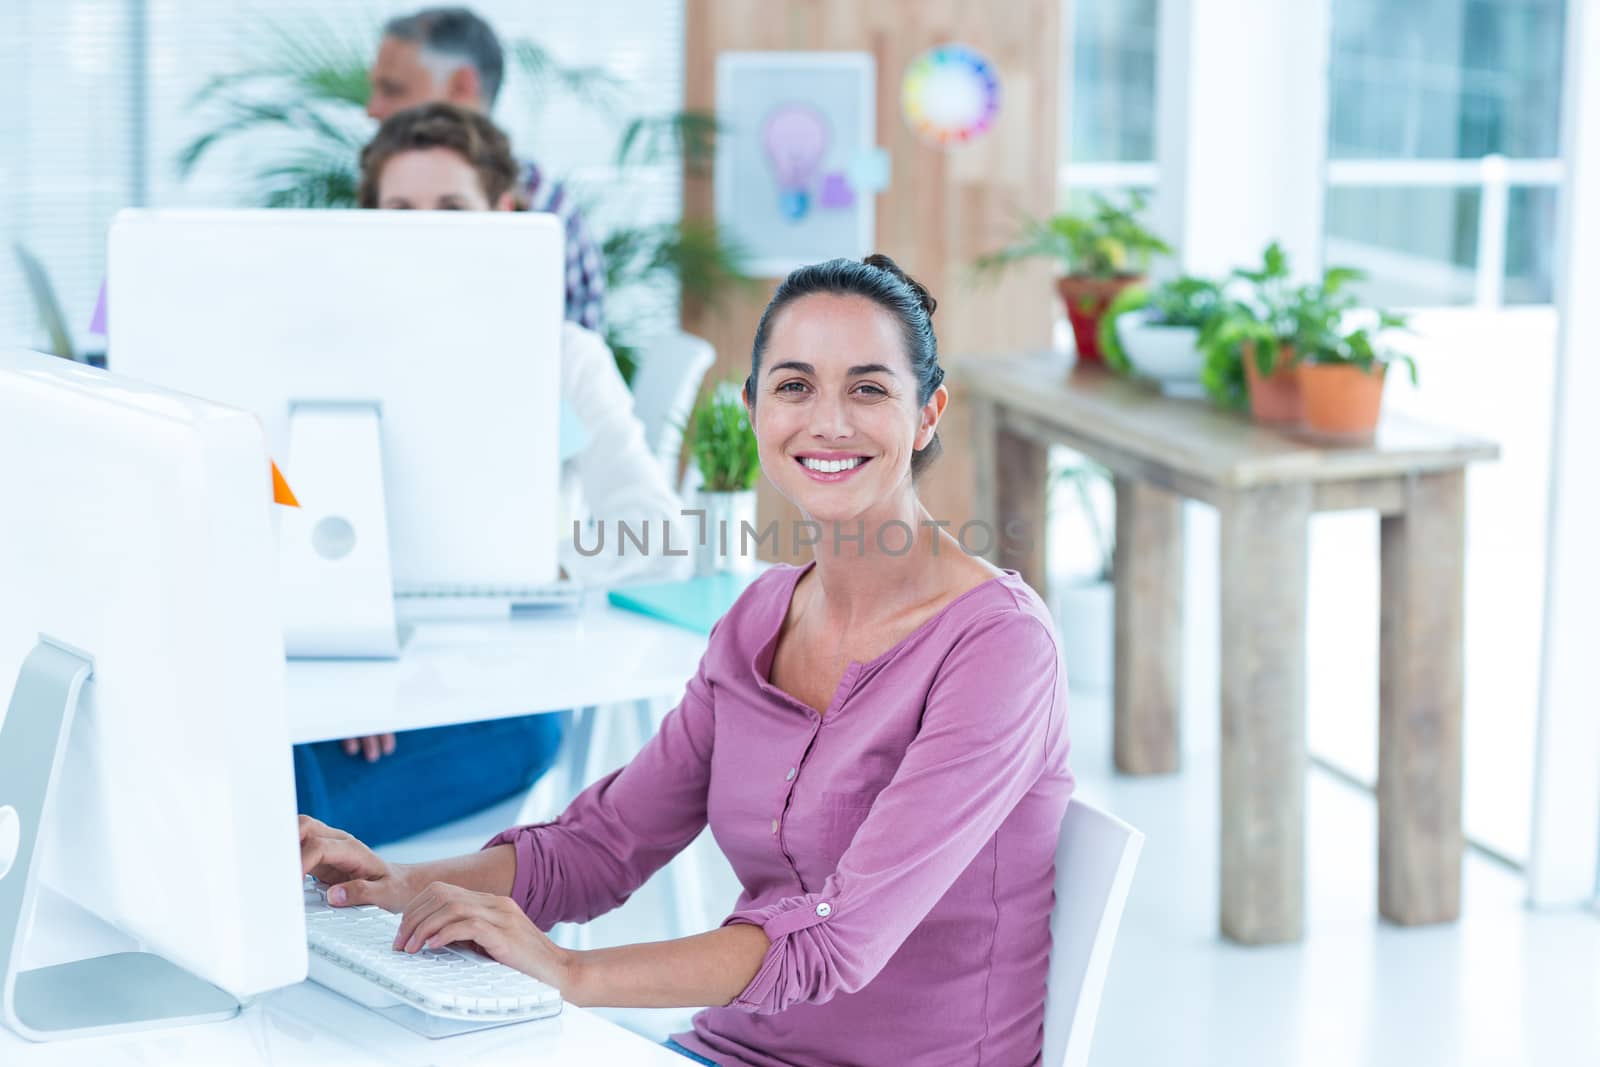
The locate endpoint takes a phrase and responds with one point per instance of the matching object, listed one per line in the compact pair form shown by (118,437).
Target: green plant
(1361,347)
(1272,314)
(1184,301)
(706,267)
(721,441)
(1106,241)
(305,97)
(45,304)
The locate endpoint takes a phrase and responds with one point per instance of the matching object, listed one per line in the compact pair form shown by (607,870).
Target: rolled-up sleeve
(990,719)
(623,828)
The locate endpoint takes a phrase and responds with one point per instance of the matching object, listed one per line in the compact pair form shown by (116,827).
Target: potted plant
(1254,340)
(1341,377)
(723,447)
(1101,252)
(1154,332)
(1084,604)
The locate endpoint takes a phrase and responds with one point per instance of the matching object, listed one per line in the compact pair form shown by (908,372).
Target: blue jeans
(434,776)
(695,1056)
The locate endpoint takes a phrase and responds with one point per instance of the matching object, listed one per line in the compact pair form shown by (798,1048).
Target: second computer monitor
(424,343)
(138,532)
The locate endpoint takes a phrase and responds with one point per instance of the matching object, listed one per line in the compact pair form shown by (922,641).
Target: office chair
(664,390)
(1095,858)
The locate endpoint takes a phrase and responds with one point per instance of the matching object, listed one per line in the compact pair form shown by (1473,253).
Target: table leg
(1419,703)
(1012,476)
(1263,636)
(1149,628)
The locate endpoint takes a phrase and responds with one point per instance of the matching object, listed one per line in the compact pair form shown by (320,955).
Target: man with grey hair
(450,54)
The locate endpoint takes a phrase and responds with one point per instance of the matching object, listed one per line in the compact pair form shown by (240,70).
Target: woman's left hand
(444,914)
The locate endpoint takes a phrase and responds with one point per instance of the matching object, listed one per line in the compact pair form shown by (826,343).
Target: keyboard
(549,593)
(433,601)
(352,952)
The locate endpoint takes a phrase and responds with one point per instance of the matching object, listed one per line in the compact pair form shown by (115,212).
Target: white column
(1566,808)
(1242,130)
(1241,150)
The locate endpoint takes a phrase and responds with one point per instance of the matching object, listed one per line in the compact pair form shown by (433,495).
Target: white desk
(450,672)
(306,1024)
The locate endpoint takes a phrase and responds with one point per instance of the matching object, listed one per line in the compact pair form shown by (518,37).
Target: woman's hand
(354,872)
(372,747)
(444,914)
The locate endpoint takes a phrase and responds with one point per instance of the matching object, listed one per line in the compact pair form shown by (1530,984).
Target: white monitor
(138,538)
(406,366)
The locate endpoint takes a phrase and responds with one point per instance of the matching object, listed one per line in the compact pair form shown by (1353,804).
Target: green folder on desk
(695,604)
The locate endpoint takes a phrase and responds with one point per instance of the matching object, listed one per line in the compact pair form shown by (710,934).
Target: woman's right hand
(354,873)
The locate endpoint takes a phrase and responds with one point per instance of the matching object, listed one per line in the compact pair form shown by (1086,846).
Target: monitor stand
(333,550)
(106,994)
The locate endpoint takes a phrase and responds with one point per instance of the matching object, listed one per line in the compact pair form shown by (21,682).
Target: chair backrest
(664,389)
(1095,858)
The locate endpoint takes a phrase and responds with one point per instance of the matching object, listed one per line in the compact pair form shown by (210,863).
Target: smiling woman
(878,741)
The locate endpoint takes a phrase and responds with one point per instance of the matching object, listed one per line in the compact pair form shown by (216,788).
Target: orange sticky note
(281,493)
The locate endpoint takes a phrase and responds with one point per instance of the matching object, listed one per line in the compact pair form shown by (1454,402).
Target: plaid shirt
(586,272)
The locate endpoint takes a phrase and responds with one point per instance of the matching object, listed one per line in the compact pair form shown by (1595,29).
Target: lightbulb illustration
(796,138)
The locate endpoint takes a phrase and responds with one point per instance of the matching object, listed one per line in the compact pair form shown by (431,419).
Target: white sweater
(615,477)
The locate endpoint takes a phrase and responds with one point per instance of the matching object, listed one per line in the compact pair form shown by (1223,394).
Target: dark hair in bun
(879,279)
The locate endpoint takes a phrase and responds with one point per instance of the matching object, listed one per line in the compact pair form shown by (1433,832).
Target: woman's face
(836,414)
(434,179)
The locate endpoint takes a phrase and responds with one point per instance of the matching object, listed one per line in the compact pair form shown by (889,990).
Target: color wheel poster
(797,170)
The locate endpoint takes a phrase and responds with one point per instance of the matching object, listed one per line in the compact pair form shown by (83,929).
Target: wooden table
(1265,485)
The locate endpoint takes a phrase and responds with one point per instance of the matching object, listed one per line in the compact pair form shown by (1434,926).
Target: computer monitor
(406,366)
(138,543)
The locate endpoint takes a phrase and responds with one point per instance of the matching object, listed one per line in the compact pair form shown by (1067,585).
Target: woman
(878,741)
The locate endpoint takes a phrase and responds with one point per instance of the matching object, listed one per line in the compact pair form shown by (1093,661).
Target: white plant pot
(1085,614)
(1168,355)
(727,514)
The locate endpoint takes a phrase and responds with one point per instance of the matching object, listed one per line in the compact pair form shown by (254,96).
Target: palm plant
(308,91)
(705,266)
(45,304)
(308,94)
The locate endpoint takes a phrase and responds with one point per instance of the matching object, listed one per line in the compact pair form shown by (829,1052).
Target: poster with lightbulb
(797,167)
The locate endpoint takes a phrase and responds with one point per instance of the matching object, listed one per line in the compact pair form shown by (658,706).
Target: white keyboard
(353,953)
(555,594)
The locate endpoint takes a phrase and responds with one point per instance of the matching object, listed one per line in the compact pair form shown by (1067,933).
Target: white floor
(1504,986)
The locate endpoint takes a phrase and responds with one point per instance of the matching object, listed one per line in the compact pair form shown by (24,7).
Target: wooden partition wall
(943,207)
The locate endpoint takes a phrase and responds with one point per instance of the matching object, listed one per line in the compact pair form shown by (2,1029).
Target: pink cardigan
(898,850)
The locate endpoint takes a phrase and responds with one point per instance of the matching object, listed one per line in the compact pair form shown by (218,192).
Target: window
(69,132)
(1443,125)
(1113,90)
(1444,119)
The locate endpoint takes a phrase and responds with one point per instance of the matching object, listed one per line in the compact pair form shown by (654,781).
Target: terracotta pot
(1341,400)
(1086,300)
(1275,397)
